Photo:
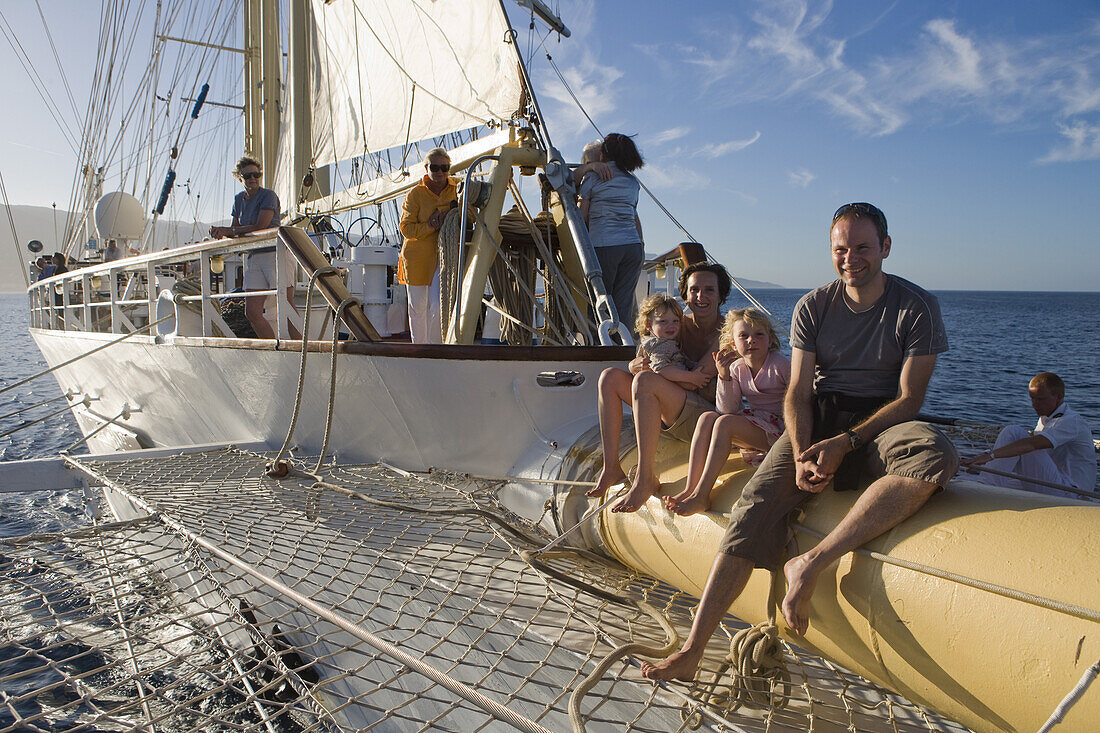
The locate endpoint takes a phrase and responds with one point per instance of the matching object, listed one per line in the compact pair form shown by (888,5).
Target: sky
(974,125)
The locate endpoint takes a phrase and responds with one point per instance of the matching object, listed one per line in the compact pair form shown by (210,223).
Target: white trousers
(424,312)
(1037,464)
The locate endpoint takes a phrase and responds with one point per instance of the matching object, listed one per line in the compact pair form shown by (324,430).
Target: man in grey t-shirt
(863,351)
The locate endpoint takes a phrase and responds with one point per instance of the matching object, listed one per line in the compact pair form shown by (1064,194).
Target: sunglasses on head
(862,208)
(439,167)
(251,174)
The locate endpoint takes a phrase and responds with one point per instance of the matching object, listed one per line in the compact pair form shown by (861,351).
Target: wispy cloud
(741,194)
(945,72)
(716,150)
(660,175)
(673,133)
(35,148)
(801,178)
(589,77)
(1081,142)
(594,85)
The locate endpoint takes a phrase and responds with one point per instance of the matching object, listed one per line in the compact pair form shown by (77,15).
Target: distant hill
(758,284)
(37,222)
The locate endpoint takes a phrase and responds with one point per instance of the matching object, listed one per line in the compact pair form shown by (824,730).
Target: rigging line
(14,236)
(36,81)
(188,121)
(89,352)
(561,77)
(57,59)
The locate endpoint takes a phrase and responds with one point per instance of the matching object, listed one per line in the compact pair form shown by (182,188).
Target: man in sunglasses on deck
(863,350)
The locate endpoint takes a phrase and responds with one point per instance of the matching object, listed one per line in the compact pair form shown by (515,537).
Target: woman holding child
(659,403)
(609,204)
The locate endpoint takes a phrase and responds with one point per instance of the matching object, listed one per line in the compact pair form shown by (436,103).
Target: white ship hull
(471,409)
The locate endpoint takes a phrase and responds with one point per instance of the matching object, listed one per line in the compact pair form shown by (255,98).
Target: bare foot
(801,579)
(639,494)
(681,665)
(609,476)
(672,501)
(693,504)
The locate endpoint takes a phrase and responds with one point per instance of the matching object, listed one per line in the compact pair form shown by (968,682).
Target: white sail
(388,72)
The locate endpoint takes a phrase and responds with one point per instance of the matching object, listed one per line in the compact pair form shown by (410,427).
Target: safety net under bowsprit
(363,598)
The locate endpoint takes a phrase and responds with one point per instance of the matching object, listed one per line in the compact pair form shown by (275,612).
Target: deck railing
(128,294)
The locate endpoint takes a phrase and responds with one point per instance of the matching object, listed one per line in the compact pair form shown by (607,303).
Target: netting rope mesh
(136,625)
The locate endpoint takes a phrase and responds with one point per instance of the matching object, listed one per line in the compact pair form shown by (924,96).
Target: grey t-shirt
(247,210)
(612,206)
(860,354)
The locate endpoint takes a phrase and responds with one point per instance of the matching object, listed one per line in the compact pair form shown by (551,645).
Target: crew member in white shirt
(1059,450)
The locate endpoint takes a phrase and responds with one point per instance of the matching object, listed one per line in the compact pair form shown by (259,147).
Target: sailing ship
(156,373)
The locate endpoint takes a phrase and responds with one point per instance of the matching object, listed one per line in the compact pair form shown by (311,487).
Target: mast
(271,54)
(253,76)
(263,58)
(301,107)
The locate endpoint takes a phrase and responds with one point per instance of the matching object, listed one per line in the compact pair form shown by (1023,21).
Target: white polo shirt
(1073,450)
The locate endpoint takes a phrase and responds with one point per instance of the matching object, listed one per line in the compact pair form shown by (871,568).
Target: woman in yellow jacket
(418,266)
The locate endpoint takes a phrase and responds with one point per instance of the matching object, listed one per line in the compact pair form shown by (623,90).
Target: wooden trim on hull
(464,352)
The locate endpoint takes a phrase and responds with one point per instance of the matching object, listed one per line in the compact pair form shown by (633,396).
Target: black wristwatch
(854,439)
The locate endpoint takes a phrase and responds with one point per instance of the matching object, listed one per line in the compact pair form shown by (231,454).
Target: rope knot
(758,669)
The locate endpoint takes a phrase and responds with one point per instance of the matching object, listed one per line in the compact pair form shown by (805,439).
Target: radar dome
(119,215)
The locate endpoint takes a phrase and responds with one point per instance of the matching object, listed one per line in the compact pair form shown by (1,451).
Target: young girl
(750,366)
(659,321)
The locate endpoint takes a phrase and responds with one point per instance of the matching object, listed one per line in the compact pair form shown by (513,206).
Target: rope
(86,402)
(450,279)
(14,235)
(672,641)
(566,306)
(757,665)
(1072,698)
(759,671)
(122,414)
(87,353)
(594,513)
(1050,604)
(278,467)
(332,377)
(68,395)
(1037,482)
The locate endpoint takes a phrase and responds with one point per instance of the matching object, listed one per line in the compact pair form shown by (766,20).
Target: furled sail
(385,73)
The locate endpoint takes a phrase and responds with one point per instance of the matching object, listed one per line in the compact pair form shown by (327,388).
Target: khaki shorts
(684,427)
(758,526)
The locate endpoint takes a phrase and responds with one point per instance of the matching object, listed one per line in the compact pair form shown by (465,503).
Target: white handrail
(71,301)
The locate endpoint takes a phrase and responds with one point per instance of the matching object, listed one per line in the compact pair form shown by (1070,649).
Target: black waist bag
(833,414)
